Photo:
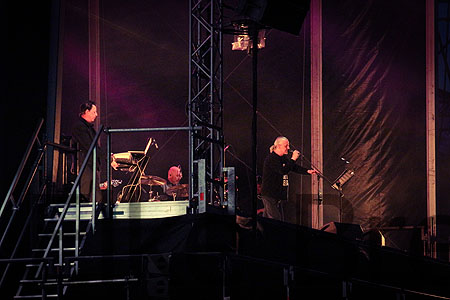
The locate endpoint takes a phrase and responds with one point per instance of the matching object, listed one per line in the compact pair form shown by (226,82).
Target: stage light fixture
(242,40)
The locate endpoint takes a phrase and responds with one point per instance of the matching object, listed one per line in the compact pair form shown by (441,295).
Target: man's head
(174,175)
(280,146)
(88,111)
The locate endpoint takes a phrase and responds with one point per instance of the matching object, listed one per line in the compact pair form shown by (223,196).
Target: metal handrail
(19,240)
(19,201)
(16,204)
(69,198)
(27,184)
(22,194)
(33,140)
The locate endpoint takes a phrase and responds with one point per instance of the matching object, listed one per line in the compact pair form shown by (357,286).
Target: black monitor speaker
(345,230)
(284,15)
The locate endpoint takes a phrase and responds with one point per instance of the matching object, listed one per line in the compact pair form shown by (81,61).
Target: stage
(209,256)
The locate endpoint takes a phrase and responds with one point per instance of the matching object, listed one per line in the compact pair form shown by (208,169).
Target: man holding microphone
(275,180)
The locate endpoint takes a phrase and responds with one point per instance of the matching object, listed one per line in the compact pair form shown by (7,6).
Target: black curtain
(374,108)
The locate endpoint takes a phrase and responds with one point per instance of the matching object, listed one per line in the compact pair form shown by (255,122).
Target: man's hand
(312,171)
(103,186)
(295,155)
(114,164)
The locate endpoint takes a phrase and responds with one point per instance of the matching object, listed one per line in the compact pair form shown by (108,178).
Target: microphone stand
(319,174)
(341,197)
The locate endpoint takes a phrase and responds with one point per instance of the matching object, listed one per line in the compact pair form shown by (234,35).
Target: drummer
(174,176)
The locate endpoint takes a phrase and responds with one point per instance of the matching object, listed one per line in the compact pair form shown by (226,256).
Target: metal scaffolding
(206,99)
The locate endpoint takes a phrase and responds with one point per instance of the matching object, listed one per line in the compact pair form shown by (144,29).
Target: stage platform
(132,210)
(208,256)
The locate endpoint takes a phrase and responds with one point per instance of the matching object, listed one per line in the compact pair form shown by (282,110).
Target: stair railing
(9,196)
(75,190)
(16,203)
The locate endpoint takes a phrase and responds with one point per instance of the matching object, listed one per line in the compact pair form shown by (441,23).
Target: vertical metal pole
(191,131)
(254,122)
(431,126)
(316,112)
(77,227)
(60,246)
(109,205)
(94,183)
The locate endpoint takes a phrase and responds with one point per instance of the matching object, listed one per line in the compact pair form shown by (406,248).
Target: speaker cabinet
(284,15)
(345,230)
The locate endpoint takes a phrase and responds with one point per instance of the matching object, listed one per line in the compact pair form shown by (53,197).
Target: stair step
(70,218)
(35,296)
(49,280)
(53,249)
(37,265)
(65,234)
(71,204)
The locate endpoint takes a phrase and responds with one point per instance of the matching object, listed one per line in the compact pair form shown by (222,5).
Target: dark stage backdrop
(374,108)
(373,96)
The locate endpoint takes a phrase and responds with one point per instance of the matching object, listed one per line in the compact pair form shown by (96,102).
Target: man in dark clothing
(83,134)
(275,180)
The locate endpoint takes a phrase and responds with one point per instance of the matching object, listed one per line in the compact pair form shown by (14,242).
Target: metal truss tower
(206,100)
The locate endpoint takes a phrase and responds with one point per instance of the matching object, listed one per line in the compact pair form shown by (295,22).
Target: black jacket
(83,133)
(275,168)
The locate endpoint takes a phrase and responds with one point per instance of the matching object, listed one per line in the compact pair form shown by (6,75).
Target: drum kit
(153,180)
(176,191)
(180,190)
(135,162)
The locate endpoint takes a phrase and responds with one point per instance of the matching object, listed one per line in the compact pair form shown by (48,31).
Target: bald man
(174,176)
(275,180)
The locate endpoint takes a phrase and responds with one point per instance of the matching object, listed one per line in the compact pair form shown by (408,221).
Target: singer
(275,180)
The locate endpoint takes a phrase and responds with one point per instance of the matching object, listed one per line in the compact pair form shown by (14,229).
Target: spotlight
(242,40)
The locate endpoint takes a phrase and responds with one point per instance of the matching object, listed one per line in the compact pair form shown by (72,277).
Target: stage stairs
(48,272)
(56,253)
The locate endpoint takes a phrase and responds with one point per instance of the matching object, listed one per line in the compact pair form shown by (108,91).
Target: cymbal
(180,190)
(152,180)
